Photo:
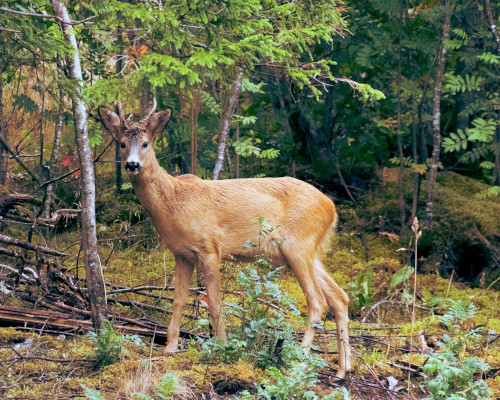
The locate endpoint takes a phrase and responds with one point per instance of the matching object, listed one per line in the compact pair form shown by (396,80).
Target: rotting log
(13,316)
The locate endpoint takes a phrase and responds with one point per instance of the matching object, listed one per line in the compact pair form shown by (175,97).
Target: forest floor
(34,366)
(391,354)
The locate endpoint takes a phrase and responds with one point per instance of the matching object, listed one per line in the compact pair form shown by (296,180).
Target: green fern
(472,108)
(461,34)
(407,161)
(489,58)
(455,142)
(482,131)
(493,191)
(109,345)
(210,103)
(476,154)
(457,83)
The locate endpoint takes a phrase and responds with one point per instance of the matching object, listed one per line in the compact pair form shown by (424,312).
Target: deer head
(135,138)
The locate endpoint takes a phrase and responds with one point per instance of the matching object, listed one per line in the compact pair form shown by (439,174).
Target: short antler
(150,113)
(121,114)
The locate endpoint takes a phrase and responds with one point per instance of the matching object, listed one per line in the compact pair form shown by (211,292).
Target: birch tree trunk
(226,124)
(88,192)
(4,155)
(436,112)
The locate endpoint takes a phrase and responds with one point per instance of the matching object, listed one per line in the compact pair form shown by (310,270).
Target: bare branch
(49,16)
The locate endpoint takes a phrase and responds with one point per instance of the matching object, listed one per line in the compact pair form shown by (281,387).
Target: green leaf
(401,275)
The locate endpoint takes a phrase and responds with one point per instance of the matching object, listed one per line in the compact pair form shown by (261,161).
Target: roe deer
(202,222)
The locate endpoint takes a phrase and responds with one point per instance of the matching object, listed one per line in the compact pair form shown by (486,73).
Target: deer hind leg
(209,266)
(303,267)
(338,301)
(183,275)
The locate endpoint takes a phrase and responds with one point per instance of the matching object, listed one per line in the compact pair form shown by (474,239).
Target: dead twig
(393,302)
(30,246)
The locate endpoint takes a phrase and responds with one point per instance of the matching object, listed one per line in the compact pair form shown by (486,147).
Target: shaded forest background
(345,96)
(390,108)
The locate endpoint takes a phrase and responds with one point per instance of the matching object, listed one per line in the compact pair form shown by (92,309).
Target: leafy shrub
(295,384)
(452,377)
(361,289)
(264,335)
(108,344)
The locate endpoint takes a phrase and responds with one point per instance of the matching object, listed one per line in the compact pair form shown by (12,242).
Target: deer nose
(132,166)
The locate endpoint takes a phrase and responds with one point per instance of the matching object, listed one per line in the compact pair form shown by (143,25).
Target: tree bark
(496,141)
(237,138)
(436,111)
(399,134)
(88,191)
(118,164)
(195,112)
(4,155)
(54,158)
(226,124)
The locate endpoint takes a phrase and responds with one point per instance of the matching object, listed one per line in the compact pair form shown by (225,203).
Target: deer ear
(110,120)
(158,121)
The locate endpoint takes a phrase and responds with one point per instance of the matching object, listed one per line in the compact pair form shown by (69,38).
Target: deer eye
(145,145)
(122,145)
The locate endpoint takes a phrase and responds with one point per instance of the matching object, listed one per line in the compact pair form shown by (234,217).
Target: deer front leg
(183,275)
(209,266)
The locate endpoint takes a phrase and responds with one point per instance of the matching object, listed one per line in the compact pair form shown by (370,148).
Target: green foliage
(248,146)
(296,384)
(489,58)
(401,275)
(493,191)
(165,390)
(457,83)
(92,394)
(264,327)
(482,131)
(23,102)
(108,345)
(452,377)
(455,142)
(361,289)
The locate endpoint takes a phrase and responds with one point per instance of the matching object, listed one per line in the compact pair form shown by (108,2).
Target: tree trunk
(88,191)
(4,155)
(54,158)
(237,138)
(195,112)
(118,164)
(436,112)
(496,141)
(399,134)
(226,124)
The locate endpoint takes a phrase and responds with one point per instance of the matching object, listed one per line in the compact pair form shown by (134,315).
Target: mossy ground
(129,248)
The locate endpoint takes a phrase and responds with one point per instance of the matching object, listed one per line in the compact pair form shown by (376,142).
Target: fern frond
(479,153)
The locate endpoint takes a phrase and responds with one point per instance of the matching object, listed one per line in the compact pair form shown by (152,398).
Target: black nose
(132,166)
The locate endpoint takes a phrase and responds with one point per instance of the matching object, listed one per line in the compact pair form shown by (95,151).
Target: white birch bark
(88,191)
(226,124)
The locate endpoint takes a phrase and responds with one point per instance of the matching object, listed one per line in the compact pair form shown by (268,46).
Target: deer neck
(153,186)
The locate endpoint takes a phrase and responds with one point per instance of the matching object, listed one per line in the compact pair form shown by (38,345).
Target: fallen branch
(57,360)
(147,306)
(30,246)
(13,316)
